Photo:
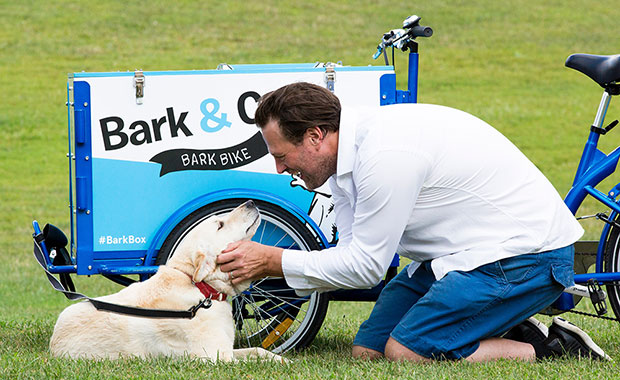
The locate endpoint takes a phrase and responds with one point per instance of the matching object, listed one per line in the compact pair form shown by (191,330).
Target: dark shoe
(568,339)
(530,331)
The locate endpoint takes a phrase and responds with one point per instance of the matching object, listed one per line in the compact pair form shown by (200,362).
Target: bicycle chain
(594,315)
(604,218)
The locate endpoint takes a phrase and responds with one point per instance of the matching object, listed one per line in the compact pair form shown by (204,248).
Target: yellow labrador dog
(84,332)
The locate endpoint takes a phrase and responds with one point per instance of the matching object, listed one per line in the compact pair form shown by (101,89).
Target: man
(490,238)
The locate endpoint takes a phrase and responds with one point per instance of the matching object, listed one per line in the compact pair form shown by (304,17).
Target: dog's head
(197,252)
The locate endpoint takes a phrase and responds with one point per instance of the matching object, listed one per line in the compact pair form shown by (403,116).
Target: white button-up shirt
(430,183)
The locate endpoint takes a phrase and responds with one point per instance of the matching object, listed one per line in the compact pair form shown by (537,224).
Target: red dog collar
(210,292)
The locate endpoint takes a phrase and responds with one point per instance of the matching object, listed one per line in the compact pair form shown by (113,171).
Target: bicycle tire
(269,314)
(611,263)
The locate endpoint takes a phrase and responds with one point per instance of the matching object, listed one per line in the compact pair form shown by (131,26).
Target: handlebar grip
(378,52)
(421,31)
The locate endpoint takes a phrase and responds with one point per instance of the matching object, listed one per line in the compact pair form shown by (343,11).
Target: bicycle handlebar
(402,38)
(421,31)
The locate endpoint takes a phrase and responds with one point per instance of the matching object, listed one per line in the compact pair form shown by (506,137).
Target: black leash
(114,308)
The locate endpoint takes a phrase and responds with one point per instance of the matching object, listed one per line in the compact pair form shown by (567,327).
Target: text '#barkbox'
(151,148)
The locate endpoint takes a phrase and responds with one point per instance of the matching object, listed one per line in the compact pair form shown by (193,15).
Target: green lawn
(502,61)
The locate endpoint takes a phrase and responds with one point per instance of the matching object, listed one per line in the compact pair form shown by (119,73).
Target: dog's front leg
(257,352)
(212,357)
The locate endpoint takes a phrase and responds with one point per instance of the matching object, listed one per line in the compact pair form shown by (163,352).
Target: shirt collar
(346,141)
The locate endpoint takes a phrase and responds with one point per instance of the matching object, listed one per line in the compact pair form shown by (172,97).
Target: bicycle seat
(603,69)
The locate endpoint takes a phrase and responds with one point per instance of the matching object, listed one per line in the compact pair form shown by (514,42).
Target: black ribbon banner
(212,159)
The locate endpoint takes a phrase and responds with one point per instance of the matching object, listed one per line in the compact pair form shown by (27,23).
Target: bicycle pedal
(597,296)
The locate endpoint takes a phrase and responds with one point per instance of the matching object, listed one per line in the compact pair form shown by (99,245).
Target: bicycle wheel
(611,263)
(269,314)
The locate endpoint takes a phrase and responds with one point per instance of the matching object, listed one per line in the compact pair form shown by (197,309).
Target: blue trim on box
(387,89)
(70,158)
(125,254)
(84,177)
(120,270)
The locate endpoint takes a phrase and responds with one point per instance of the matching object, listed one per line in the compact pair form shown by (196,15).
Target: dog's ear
(203,264)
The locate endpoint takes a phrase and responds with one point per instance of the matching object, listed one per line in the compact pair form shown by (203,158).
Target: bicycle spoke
(268,294)
(282,238)
(247,336)
(274,229)
(260,321)
(290,305)
(291,246)
(262,232)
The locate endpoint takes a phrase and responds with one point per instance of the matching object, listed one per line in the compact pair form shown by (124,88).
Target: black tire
(611,263)
(269,314)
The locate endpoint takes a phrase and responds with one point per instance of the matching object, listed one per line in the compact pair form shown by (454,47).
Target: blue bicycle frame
(593,168)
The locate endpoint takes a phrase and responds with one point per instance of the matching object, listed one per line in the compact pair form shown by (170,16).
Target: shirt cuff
(293,269)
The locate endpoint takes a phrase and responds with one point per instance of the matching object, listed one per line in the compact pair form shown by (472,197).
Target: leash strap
(114,308)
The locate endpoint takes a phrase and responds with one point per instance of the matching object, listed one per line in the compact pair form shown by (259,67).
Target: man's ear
(315,135)
(203,265)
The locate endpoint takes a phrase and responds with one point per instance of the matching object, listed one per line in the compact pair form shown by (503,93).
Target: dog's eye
(220,224)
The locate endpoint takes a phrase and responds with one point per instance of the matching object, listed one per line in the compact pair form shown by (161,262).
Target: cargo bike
(151,154)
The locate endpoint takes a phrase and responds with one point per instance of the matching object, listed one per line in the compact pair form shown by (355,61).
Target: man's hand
(248,260)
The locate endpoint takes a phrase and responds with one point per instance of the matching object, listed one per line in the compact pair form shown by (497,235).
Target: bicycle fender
(220,195)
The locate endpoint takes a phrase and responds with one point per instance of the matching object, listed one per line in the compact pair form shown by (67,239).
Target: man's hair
(297,107)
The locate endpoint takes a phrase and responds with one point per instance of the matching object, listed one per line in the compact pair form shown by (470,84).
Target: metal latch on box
(138,83)
(330,76)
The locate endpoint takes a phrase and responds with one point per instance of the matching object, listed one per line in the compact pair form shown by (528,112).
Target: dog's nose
(250,204)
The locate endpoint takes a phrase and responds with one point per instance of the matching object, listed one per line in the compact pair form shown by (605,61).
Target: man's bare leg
(490,349)
(360,352)
(498,348)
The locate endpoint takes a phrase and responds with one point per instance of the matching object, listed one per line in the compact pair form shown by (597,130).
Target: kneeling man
(490,239)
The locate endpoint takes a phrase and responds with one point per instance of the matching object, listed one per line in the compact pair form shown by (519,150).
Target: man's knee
(395,351)
(360,352)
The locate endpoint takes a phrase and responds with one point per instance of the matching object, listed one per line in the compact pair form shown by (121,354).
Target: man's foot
(567,339)
(530,331)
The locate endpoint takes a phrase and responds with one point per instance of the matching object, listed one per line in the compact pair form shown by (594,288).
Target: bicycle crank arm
(579,290)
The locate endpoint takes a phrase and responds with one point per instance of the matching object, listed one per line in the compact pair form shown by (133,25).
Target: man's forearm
(273,261)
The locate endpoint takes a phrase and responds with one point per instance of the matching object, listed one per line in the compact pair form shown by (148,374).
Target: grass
(502,61)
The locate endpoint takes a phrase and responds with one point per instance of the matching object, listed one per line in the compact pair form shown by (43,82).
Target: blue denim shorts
(447,319)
